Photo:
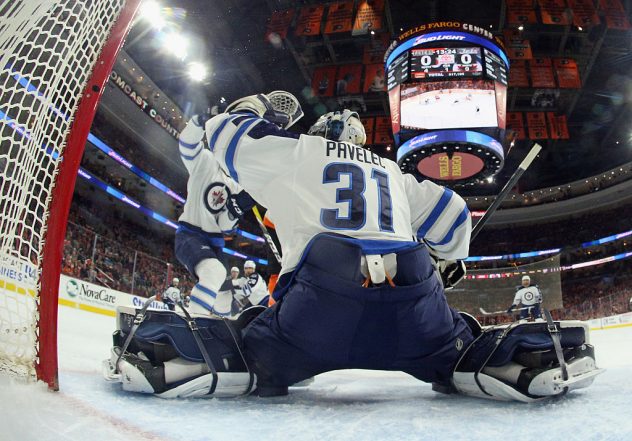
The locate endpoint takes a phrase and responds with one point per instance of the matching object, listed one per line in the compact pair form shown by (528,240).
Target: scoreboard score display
(447,85)
(446,62)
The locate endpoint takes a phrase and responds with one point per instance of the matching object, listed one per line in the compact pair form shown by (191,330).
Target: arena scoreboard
(447,87)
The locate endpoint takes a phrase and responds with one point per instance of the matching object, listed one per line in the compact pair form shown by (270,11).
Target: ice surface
(346,405)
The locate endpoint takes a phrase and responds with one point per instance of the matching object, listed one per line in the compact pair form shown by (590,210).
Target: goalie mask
(279,107)
(340,126)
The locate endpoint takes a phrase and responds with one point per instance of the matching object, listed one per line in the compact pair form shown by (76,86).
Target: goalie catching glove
(278,107)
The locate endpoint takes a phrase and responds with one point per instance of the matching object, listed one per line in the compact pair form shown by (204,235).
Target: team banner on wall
(567,73)
(520,11)
(518,76)
(374,78)
(339,17)
(614,13)
(279,23)
(536,121)
(309,19)
(324,81)
(557,126)
(540,125)
(584,13)
(369,17)
(374,51)
(383,130)
(369,128)
(554,12)
(518,48)
(348,79)
(515,122)
(542,73)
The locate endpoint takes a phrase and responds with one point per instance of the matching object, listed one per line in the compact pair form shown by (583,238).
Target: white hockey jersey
(172,293)
(255,289)
(528,296)
(311,185)
(208,188)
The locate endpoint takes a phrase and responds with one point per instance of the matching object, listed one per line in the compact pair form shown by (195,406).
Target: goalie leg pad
(164,359)
(140,375)
(518,362)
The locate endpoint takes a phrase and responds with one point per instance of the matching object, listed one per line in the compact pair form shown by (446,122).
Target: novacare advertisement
(88,296)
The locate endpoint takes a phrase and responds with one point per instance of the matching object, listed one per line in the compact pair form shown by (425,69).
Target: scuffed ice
(345,405)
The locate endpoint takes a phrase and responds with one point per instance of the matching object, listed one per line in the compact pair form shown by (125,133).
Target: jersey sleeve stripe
(187,145)
(457,223)
(231,150)
(191,158)
(436,212)
(217,132)
(206,290)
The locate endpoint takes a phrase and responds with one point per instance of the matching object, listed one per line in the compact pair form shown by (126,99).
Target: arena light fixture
(175,44)
(197,71)
(151,12)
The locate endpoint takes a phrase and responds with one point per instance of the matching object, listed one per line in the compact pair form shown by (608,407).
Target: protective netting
(48,49)
(494,289)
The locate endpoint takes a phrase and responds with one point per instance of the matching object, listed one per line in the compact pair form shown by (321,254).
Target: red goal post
(55,57)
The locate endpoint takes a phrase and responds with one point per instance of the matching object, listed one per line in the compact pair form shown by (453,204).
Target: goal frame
(46,363)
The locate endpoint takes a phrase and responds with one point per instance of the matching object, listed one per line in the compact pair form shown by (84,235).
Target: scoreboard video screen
(449,104)
(446,62)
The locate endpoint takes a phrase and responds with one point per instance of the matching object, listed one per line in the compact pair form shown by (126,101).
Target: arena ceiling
(228,35)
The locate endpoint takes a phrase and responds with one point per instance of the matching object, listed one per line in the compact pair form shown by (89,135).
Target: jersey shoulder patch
(253,279)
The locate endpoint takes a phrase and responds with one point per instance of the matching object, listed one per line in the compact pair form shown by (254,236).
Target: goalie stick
(524,165)
(266,234)
(504,311)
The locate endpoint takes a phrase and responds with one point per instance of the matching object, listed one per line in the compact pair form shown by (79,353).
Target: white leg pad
(134,380)
(465,383)
(229,384)
(581,374)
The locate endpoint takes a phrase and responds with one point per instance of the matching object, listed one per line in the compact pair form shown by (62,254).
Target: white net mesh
(48,49)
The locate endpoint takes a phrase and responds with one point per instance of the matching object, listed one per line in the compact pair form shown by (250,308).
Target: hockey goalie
(367,252)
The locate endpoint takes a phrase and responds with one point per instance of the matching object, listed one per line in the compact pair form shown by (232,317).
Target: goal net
(55,56)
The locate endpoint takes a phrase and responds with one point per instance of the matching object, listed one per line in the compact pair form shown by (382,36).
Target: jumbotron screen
(449,104)
(446,62)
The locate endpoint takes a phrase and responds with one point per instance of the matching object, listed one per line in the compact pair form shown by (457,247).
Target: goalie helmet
(279,107)
(340,126)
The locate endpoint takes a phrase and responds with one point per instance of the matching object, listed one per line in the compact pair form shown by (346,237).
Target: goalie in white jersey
(357,288)
(214,205)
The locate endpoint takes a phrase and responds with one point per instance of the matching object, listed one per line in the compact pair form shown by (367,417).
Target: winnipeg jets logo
(528,295)
(215,197)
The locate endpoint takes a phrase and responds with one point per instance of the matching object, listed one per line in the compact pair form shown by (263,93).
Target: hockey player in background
(214,204)
(172,294)
(355,290)
(529,298)
(255,288)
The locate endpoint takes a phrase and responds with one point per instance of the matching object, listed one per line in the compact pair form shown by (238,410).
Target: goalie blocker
(521,361)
